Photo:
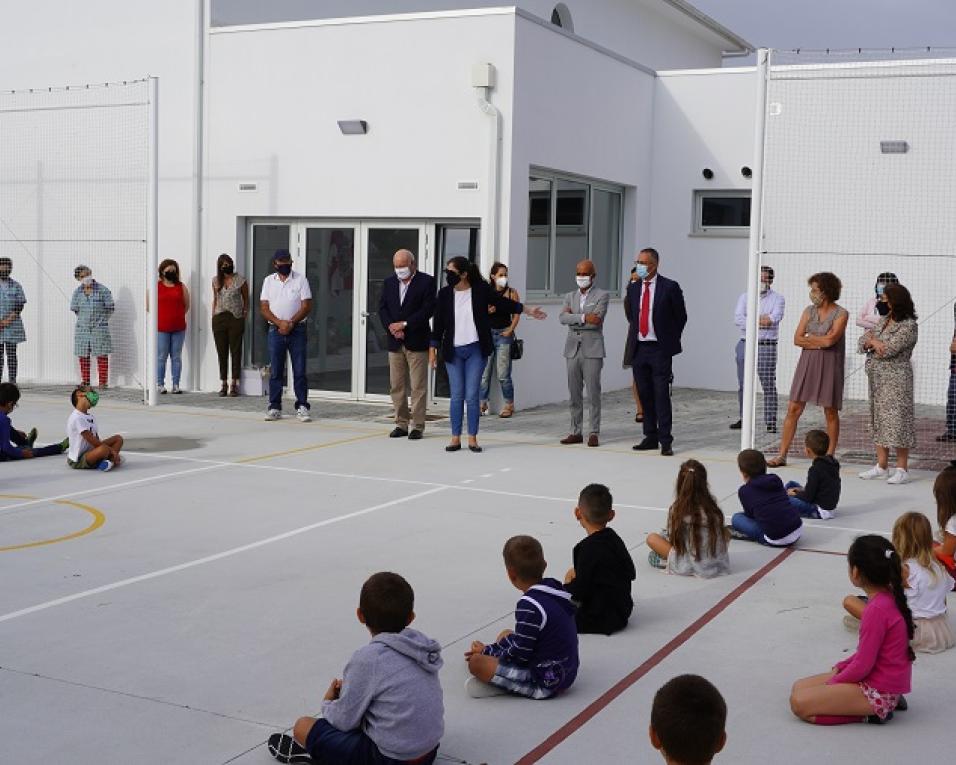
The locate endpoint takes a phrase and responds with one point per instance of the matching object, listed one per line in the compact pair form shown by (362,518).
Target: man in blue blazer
(657,318)
(405,309)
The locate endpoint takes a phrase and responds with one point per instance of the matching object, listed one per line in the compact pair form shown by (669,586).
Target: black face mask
(452,278)
(4,274)
(171,276)
(284,268)
(227,270)
(882,308)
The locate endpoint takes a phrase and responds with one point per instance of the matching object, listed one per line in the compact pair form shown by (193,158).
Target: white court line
(211,558)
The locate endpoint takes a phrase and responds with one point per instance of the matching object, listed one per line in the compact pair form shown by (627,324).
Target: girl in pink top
(869,684)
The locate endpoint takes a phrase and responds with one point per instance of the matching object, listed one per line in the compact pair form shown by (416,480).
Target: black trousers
(652,374)
(227,332)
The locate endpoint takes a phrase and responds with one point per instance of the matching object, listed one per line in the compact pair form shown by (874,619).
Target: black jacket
(823,483)
(668,312)
(417,310)
(603,572)
(482,296)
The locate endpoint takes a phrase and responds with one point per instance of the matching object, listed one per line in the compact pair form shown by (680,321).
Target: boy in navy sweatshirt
(539,659)
(768,516)
(600,580)
(387,708)
(14,444)
(819,498)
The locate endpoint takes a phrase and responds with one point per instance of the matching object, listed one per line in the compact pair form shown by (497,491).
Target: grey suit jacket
(587,339)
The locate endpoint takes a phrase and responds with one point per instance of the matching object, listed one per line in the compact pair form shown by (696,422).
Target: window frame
(697,214)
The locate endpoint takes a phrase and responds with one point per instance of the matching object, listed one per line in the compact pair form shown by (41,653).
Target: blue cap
(282,255)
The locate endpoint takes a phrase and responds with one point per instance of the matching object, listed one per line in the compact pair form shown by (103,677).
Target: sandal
(234,389)
(777,462)
(506,411)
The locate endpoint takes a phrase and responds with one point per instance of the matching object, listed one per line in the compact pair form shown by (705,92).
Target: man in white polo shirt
(285,302)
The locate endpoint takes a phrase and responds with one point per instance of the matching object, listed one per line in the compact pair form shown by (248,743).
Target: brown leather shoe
(573,438)
(593,440)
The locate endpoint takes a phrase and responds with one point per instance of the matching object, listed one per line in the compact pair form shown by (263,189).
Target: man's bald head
(403,259)
(585,268)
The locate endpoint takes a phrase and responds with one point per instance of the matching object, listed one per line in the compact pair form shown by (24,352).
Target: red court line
(602,701)
(820,552)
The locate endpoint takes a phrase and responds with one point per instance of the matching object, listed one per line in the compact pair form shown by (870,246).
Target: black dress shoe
(415,435)
(453,448)
(771,427)
(398,433)
(666,451)
(475,449)
(737,425)
(646,445)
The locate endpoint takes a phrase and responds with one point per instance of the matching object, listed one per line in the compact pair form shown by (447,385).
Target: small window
(721,213)
(561,17)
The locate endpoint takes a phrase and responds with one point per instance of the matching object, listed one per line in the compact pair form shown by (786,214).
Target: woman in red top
(172,303)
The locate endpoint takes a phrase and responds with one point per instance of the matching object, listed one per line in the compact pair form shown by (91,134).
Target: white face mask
(583,281)
(86,281)
(502,282)
(403,273)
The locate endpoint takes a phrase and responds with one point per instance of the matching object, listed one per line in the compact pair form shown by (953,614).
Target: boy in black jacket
(819,498)
(600,580)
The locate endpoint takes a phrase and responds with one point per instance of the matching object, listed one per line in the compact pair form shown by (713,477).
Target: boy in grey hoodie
(387,709)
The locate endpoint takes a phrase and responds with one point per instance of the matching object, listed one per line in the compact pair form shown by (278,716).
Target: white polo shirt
(285,297)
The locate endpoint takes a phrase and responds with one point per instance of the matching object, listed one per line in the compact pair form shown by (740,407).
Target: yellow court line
(98,520)
(302,449)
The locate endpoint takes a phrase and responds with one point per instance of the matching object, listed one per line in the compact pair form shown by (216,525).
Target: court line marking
(605,699)
(302,449)
(212,558)
(98,520)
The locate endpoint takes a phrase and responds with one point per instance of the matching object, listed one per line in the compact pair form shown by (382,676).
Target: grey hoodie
(390,689)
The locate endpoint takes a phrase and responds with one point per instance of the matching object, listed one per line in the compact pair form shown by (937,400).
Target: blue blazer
(417,310)
(668,313)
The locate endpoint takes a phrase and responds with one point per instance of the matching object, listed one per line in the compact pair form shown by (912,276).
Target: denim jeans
(500,359)
(748,526)
(806,509)
(464,379)
(169,344)
(293,344)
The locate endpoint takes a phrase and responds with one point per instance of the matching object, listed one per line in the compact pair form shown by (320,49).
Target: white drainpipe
(483,80)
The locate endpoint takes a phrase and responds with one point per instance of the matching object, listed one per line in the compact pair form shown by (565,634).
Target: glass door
(266,239)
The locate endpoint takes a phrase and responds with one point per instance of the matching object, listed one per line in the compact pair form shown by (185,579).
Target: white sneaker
(900,476)
(479,690)
(302,413)
(825,515)
(176,389)
(874,472)
(104,466)
(273,414)
(162,389)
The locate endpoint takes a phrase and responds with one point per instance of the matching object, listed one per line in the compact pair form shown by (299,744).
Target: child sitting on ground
(15,444)
(600,580)
(819,498)
(944,491)
(87,451)
(868,685)
(926,585)
(388,707)
(695,542)
(539,659)
(768,516)
(688,721)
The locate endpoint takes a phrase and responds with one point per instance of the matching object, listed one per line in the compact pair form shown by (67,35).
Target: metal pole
(753,266)
(152,243)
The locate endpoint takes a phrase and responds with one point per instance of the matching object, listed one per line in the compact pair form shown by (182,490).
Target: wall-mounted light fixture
(707,173)
(353,127)
(746,172)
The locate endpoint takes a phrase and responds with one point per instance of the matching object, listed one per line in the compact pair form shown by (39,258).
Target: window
(561,17)
(721,213)
(569,220)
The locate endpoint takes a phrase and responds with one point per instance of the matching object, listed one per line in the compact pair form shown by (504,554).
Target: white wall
(56,43)
(702,119)
(565,119)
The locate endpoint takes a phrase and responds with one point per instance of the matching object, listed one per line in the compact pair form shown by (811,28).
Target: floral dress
(892,404)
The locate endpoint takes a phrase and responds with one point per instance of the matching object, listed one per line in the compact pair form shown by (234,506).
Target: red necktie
(645,310)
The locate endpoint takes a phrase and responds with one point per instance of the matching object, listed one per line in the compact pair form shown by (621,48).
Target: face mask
(583,281)
(4,274)
(452,278)
(226,270)
(880,289)
(641,270)
(764,288)
(403,273)
(502,282)
(816,298)
(882,308)
(171,276)
(86,281)
(284,268)
(93,398)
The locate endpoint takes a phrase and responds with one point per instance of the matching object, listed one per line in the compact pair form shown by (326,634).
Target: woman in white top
(875,308)
(462,330)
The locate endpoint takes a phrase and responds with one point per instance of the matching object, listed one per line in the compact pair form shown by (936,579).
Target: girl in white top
(927,583)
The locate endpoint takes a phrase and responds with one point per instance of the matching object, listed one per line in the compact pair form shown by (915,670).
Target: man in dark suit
(405,308)
(657,315)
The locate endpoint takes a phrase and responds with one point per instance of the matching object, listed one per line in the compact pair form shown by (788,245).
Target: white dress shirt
(771,305)
(403,289)
(582,299)
(651,336)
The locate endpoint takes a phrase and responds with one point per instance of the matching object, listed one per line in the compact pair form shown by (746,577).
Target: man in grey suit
(583,312)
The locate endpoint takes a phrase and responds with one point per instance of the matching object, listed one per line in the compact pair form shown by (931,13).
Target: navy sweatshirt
(823,483)
(545,639)
(764,499)
(603,572)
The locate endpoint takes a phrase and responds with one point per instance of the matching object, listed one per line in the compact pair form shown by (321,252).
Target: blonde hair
(913,538)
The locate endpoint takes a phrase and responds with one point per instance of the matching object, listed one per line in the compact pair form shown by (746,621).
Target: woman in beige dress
(888,348)
(819,375)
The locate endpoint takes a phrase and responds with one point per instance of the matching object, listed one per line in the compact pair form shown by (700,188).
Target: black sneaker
(415,435)
(876,720)
(398,433)
(285,749)
(901,705)
(737,425)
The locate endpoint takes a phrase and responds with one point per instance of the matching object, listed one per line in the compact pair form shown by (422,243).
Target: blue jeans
(748,526)
(806,509)
(464,378)
(327,744)
(169,344)
(294,345)
(500,360)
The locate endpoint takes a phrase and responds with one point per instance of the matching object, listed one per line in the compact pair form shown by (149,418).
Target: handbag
(517,349)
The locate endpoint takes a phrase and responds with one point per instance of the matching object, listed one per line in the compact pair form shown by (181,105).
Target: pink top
(882,658)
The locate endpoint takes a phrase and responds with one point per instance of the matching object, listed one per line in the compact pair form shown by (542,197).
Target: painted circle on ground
(98,520)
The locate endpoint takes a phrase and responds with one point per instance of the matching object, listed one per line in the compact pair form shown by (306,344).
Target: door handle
(365,314)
